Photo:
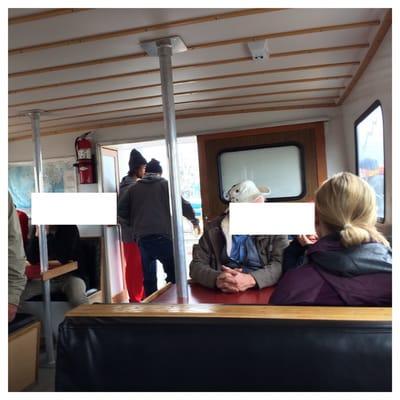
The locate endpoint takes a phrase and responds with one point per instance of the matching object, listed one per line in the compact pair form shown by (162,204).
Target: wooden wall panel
(309,136)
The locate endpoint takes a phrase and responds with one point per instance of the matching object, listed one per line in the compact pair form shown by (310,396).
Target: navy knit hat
(154,167)
(136,160)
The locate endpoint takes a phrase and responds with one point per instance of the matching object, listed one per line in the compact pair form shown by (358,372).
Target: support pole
(164,53)
(44,261)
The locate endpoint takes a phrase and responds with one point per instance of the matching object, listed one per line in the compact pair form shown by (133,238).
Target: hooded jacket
(335,275)
(211,253)
(146,207)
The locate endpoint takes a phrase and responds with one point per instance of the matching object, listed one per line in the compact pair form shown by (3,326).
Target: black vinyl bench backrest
(222,354)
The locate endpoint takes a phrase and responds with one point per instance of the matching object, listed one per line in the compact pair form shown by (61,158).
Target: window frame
(377,103)
(268,146)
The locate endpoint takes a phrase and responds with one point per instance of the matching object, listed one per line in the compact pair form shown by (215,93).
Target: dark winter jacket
(147,208)
(211,253)
(334,275)
(126,229)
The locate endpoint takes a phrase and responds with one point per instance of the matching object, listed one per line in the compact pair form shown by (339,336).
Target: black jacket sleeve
(292,255)
(188,212)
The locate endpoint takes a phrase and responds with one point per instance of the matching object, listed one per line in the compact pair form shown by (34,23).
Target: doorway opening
(189,179)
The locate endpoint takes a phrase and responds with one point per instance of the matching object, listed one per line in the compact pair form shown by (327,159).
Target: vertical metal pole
(44,261)
(164,53)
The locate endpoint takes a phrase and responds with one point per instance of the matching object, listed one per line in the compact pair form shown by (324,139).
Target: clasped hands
(234,280)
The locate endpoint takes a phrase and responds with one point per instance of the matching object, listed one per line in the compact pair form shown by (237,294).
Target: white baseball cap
(245,192)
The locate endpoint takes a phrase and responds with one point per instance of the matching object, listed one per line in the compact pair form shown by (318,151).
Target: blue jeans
(152,248)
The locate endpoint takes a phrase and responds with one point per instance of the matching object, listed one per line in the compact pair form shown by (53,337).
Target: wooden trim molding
(191,92)
(159,117)
(58,271)
(54,68)
(45,14)
(318,98)
(142,29)
(195,80)
(313,313)
(198,65)
(378,39)
(156,294)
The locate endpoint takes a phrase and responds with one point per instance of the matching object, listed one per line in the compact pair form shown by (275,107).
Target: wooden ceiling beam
(45,14)
(159,117)
(380,35)
(191,92)
(141,29)
(318,98)
(185,66)
(81,64)
(189,81)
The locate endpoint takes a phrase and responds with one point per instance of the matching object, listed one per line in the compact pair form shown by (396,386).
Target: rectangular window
(278,168)
(370,158)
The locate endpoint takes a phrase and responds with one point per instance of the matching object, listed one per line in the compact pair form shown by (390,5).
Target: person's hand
(12,311)
(307,240)
(197,229)
(234,280)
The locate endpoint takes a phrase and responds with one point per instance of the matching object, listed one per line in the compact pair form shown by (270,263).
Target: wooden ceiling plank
(380,35)
(198,65)
(159,117)
(142,29)
(320,50)
(191,92)
(54,68)
(200,101)
(45,14)
(318,98)
(187,81)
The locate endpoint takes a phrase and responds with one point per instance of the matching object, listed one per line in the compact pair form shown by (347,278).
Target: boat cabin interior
(285,97)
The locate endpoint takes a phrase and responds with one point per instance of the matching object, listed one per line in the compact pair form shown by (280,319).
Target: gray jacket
(16,256)
(145,206)
(208,256)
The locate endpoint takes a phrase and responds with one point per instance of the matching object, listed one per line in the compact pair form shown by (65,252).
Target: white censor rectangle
(74,208)
(271,218)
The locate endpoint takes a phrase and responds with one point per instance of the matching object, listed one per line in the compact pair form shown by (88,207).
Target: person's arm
(123,207)
(291,255)
(188,212)
(200,266)
(269,274)
(32,248)
(16,261)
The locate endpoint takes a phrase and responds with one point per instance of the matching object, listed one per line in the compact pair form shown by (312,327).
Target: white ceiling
(108,107)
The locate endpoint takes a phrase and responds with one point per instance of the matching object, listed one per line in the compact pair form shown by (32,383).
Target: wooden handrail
(233,311)
(58,271)
(44,14)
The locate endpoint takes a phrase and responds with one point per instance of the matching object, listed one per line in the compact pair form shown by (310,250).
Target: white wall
(375,84)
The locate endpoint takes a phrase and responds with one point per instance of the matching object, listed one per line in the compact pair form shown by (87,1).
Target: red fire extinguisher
(84,162)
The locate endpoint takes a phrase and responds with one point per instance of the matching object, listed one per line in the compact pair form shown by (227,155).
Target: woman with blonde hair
(351,263)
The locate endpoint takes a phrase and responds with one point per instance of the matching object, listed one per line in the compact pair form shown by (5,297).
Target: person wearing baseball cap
(235,263)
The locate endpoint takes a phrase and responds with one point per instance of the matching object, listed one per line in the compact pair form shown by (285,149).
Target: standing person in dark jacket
(146,205)
(351,263)
(133,259)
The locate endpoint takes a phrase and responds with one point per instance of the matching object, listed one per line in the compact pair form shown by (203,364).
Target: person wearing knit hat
(147,207)
(154,167)
(133,269)
(235,263)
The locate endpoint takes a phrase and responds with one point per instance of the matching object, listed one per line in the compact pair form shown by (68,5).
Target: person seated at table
(235,263)
(351,263)
(63,245)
